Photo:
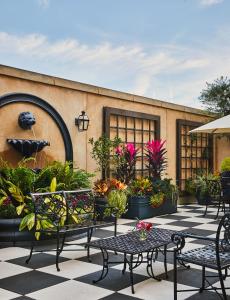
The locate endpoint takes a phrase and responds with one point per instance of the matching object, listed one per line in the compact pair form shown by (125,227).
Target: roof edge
(75,85)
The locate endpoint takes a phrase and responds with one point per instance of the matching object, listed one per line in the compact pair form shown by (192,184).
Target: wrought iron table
(130,245)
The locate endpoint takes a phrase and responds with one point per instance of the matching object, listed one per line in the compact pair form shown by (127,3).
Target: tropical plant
(225,164)
(141,187)
(157,200)
(101,187)
(67,177)
(102,151)
(216,96)
(117,202)
(156,157)
(125,161)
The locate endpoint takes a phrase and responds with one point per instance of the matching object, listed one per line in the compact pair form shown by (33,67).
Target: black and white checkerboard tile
(40,280)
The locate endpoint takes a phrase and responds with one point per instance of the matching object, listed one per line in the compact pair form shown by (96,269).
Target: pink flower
(130,148)
(118,151)
(141,225)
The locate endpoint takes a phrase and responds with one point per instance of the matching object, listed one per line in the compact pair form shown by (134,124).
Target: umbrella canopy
(221,125)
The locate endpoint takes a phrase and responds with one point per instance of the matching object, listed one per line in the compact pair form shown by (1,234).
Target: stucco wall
(69,99)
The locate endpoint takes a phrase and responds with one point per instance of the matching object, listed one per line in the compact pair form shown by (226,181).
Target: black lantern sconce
(82,122)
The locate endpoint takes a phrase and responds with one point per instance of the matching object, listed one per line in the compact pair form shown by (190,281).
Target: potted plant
(102,149)
(138,200)
(164,193)
(125,160)
(117,199)
(164,197)
(16,184)
(205,188)
(225,177)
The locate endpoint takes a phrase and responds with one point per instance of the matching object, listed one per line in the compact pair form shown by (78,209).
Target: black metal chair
(64,213)
(214,196)
(215,256)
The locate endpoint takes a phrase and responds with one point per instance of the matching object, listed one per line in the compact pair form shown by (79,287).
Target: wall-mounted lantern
(82,122)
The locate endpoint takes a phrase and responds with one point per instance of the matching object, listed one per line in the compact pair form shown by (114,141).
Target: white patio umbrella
(221,125)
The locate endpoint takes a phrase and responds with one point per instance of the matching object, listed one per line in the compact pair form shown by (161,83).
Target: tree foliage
(216,96)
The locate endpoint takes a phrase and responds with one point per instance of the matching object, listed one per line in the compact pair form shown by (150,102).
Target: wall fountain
(25,146)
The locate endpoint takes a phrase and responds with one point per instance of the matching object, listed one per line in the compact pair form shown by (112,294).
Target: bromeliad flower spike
(156,156)
(125,157)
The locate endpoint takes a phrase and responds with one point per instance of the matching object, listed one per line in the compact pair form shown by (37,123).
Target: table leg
(150,264)
(105,269)
(131,272)
(125,264)
(165,261)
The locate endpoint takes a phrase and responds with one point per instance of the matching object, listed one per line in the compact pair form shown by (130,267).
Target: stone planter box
(139,208)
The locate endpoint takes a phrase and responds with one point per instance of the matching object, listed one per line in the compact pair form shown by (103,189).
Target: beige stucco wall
(69,99)
(222,150)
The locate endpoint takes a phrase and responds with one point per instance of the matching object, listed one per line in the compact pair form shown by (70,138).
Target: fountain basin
(27,147)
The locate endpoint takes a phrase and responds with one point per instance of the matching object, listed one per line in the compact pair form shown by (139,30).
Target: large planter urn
(203,198)
(138,208)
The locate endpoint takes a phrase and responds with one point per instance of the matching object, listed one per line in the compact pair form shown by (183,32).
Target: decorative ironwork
(215,256)
(194,152)
(130,244)
(132,127)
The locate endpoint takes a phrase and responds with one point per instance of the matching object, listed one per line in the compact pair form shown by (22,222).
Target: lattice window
(132,127)
(194,152)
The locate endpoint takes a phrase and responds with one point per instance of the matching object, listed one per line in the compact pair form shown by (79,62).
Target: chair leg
(222,284)
(218,209)
(203,280)
(58,251)
(31,252)
(89,236)
(175,274)
(205,212)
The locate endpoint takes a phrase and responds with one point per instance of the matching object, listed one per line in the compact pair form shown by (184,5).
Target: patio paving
(40,280)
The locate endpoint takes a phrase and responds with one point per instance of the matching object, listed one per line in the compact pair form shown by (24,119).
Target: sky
(162,49)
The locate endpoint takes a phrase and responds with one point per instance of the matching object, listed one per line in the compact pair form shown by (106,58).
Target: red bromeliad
(156,157)
(126,156)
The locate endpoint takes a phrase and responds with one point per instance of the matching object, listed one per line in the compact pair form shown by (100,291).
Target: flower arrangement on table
(143,228)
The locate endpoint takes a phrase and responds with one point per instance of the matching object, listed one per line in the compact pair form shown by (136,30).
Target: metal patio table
(133,248)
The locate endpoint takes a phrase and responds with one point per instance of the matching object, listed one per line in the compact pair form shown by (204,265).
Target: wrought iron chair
(215,256)
(214,195)
(62,213)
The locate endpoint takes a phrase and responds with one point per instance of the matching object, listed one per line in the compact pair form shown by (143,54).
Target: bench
(64,213)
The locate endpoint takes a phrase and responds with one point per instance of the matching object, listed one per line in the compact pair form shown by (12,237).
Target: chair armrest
(179,239)
(198,237)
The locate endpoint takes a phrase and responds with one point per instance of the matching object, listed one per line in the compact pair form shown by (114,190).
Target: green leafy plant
(117,199)
(141,187)
(67,177)
(102,152)
(225,164)
(216,96)
(157,200)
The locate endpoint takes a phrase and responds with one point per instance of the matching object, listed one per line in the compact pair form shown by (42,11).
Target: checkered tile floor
(40,280)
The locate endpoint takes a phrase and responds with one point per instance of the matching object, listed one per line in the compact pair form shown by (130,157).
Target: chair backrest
(223,235)
(50,208)
(214,189)
(80,206)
